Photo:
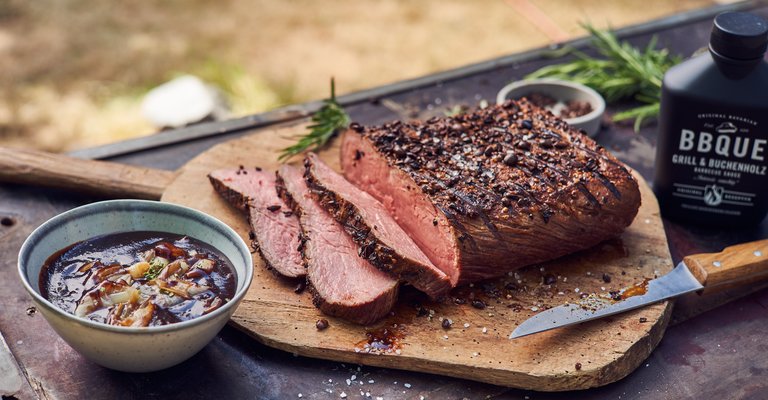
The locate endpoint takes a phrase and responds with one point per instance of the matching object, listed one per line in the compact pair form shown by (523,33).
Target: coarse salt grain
(534,308)
(343,395)
(301,395)
(370,381)
(485,330)
(445,337)
(353,377)
(565,279)
(466,325)
(408,385)
(349,382)
(577,290)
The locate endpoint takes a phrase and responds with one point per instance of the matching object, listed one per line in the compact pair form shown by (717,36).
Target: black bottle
(712,150)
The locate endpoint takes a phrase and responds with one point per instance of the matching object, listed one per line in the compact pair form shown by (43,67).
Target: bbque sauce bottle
(712,150)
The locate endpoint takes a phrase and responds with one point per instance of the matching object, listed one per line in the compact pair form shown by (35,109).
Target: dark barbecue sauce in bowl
(141,278)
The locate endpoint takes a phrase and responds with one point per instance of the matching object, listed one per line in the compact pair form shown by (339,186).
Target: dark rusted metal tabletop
(719,352)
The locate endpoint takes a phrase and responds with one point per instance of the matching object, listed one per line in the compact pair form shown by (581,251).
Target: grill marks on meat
(342,283)
(274,234)
(499,188)
(380,239)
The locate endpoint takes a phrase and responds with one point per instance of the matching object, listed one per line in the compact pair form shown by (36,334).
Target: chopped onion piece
(129,295)
(204,264)
(139,269)
(86,306)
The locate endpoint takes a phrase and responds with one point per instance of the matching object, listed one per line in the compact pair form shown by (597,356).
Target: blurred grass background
(73,72)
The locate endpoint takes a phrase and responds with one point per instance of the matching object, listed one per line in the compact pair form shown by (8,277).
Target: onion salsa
(141,278)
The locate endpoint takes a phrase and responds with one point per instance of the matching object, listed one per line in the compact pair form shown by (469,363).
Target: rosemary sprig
(624,72)
(326,123)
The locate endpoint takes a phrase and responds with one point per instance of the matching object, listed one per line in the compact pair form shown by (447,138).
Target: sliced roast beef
(380,239)
(493,190)
(275,228)
(342,283)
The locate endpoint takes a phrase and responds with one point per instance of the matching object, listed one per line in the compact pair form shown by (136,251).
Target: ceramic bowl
(562,91)
(133,349)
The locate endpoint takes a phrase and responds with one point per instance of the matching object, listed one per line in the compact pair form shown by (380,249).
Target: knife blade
(739,264)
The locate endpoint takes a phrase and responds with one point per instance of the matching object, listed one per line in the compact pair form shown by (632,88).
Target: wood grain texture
(96,177)
(735,266)
(476,346)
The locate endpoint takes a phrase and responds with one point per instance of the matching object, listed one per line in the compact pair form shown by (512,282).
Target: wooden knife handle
(735,265)
(95,177)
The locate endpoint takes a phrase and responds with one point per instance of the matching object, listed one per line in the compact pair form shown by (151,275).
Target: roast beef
(380,239)
(342,283)
(493,190)
(275,230)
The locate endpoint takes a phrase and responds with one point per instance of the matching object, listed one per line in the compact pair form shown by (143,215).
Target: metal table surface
(710,349)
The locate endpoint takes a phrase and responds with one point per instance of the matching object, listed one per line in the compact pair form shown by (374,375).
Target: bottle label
(718,163)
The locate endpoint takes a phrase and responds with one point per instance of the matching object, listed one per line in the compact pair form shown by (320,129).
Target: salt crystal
(576,290)
(466,325)
(565,279)
(602,288)
(534,308)
(349,382)
(353,377)
(343,395)
(408,385)
(561,293)
(485,330)
(370,381)
(475,354)
(541,269)
(301,395)
(379,398)
(589,273)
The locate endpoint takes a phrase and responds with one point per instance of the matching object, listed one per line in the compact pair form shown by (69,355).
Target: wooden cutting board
(476,346)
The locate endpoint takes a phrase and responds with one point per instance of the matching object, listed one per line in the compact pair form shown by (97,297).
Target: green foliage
(624,72)
(326,123)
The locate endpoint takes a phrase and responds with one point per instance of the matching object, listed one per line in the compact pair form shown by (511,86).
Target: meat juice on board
(713,129)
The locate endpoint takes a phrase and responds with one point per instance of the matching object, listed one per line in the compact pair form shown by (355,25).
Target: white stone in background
(10,378)
(182,101)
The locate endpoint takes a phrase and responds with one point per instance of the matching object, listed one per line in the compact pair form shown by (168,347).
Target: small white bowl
(562,91)
(141,349)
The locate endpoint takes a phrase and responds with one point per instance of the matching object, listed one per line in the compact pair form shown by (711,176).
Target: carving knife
(739,264)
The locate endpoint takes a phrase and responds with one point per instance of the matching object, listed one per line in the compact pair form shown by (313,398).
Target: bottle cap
(739,35)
